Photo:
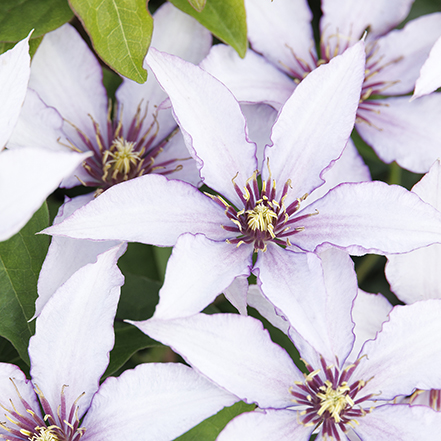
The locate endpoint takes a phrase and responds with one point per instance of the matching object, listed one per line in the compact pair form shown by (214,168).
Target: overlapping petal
(76,355)
(149,209)
(430,74)
(198,270)
(211,121)
(314,125)
(153,402)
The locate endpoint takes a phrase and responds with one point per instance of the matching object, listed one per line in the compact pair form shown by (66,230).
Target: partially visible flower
(430,74)
(27,175)
(67,107)
(281,31)
(69,353)
(339,397)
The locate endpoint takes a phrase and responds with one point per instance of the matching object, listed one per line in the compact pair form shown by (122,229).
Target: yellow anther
(334,400)
(261,218)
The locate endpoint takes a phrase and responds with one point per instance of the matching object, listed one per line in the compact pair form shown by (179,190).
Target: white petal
(211,121)
(153,402)
(403,131)
(430,74)
(237,294)
(149,209)
(406,353)
(27,177)
(251,79)
(282,425)
(234,351)
(14,76)
(315,123)
(66,256)
(198,270)
(74,333)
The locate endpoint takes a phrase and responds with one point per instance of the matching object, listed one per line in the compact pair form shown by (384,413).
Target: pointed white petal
(430,74)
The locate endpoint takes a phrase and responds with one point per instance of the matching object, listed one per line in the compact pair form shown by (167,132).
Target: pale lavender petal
(369,313)
(198,270)
(399,422)
(153,402)
(406,355)
(415,276)
(260,119)
(315,123)
(282,32)
(236,294)
(66,256)
(14,76)
(282,425)
(266,309)
(211,121)
(67,76)
(350,18)
(149,209)
(403,52)
(74,333)
(294,284)
(405,132)
(251,79)
(430,74)
(234,351)
(13,382)
(27,177)
(350,167)
(369,217)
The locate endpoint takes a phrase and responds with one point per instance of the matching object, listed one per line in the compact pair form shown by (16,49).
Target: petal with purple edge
(150,209)
(282,425)
(153,402)
(198,270)
(14,76)
(234,351)
(401,54)
(251,79)
(74,333)
(430,74)
(282,32)
(399,422)
(211,121)
(27,177)
(406,354)
(314,125)
(369,217)
(66,255)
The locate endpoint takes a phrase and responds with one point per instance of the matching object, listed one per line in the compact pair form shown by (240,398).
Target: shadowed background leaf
(21,258)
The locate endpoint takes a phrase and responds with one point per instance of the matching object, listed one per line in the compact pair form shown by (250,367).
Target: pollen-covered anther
(261,218)
(334,400)
(124,157)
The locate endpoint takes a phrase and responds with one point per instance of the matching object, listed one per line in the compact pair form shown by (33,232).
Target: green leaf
(226,19)
(120,31)
(21,258)
(209,429)
(199,5)
(18,17)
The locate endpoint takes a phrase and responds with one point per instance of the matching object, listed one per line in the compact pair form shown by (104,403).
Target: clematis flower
(215,237)
(338,397)
(69,353)
(67,108)
(398,130)
(430,74)
(27,175)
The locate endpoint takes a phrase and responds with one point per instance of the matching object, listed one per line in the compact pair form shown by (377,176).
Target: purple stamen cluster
(329,398)
(56,425)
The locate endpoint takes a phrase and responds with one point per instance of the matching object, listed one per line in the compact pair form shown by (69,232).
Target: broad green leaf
(120,31)
(209,429)
(18,17)
(226,19)
(199,5)
(33,45)
(21,258)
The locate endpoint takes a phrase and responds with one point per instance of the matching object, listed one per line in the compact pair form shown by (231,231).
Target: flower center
(120,153)
(328,399)
(44,434)
(261,218)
